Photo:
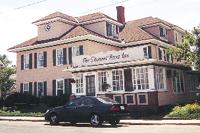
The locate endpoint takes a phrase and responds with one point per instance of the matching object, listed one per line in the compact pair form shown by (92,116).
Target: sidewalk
(130,122)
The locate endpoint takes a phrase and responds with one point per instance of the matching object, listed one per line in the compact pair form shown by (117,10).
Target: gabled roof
(57,14)
(93,16)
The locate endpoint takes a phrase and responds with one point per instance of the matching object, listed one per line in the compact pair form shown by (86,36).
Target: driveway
(43,127)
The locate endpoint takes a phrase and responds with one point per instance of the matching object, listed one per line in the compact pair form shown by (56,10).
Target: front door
(90,85)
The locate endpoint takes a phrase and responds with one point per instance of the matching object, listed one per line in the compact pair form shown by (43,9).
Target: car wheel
(114,122)
(95,120)
(54,119)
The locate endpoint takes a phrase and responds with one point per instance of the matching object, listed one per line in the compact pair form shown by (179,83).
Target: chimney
(120,14)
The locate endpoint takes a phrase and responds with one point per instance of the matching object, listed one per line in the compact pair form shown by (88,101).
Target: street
(43,127)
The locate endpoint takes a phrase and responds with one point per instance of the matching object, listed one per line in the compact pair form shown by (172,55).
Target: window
(142,99)
(147,52)
(160,78)
(118,98)
(40,60)
(40,89)
(117,80)
(59,56)
(59,87)
(26,61)
(140,78)
(163,32)
(26,88)
(178,83)
(162,54)
(130,99)
(75,51)
(79,83)
(102,81)
(112,29)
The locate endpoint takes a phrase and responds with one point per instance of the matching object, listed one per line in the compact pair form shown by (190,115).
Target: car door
(69,111)
(85,108)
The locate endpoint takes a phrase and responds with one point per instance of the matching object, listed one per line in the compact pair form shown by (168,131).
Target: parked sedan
(95,110)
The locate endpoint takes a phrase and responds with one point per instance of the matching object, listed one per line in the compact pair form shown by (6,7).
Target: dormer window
(163,32)
(112,30)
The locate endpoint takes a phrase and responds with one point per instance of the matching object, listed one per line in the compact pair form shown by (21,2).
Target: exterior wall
(155,30)
(51,72)
(169,97)
(99,27)
(57,28)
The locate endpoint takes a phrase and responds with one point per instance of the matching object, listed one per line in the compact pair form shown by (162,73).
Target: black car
(95,110)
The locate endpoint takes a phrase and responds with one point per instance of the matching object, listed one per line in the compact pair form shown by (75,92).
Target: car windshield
(106,100)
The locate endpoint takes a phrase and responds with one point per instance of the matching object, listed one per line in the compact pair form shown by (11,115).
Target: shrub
(18,99)
(187,111)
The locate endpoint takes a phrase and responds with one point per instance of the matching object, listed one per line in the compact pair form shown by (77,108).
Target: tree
(6,70)
(189,49)
(196,33)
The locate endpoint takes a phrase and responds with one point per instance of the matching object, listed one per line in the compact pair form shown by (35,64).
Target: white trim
(121,91)
(120,96)
(57,85)
(40,22)
(28,86)
(134,99)
(146,96)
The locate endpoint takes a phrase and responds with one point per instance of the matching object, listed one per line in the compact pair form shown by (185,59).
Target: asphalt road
(42,127)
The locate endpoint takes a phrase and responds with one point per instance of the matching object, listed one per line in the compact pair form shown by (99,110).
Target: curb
(5,119)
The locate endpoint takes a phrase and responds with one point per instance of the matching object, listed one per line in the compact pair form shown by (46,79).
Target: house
(96,55)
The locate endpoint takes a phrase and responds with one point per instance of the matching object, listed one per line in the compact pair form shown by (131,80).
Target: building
(95,54)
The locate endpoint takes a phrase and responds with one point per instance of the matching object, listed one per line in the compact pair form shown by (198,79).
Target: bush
(18,99)
(187,111)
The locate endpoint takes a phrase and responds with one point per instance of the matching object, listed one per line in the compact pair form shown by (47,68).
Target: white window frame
(164,32)
(113,30)
(136,78)
(101,79)
(134,99)
(42,88)
(79,84)
(26,61)
(122,85)
(40,59)
(138,99)
(175,90)
(122,101)
(27,89)
(59,62)
(58,80)
(159,78)
(75,51)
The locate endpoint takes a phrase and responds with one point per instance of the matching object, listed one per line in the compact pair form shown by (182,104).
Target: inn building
(97,55)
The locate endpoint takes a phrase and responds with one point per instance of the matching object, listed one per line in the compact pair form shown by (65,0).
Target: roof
(132,32)
(57,14)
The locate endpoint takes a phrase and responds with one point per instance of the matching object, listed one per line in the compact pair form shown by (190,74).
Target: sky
(16,16)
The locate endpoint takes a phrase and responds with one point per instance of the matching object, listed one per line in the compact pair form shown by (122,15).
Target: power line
(112,4)
(30,4)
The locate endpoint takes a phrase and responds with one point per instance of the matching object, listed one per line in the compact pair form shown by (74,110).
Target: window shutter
(21,88)
(45,88)
(107,33)
(161,31)
(128,80)
(30,88)
(30,61)
(149,52)
(54,88)
(35,88)
(54,57)
(81,49)
(45,58)
(35,60)
(70,55)
(67,87)
(22,62)
(64,56)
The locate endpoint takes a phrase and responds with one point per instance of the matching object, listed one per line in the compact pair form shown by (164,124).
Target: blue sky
(16,25)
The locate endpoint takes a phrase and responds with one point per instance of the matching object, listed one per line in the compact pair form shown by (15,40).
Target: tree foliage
(6,70)
(189,49)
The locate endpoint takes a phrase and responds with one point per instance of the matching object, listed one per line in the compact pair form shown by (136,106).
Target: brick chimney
(120,14)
